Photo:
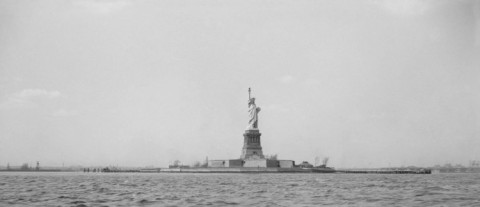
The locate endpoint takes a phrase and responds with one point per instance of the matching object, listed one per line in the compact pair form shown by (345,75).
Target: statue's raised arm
(253,111)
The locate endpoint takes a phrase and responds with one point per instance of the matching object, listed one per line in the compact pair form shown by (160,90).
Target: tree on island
(272,157)
(205,164)
(325,161)
(196,164)
(176,163)
(24,166)
(448,165)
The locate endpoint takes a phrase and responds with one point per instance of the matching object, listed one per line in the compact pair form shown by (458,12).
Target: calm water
(130,189)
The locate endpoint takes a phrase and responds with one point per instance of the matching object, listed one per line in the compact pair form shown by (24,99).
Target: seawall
(239,170)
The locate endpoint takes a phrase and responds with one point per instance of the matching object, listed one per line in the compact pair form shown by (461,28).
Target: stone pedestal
(252,149)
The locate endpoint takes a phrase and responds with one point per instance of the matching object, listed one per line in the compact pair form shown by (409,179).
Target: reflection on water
(132,189)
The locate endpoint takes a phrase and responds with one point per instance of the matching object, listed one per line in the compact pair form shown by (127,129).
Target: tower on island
(252,148)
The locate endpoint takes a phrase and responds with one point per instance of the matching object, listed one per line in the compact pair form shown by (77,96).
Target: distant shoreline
(248,170)
(46,170)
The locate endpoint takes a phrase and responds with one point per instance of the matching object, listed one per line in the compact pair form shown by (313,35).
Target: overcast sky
(142,83)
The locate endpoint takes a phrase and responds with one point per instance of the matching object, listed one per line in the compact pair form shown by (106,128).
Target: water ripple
(90,189)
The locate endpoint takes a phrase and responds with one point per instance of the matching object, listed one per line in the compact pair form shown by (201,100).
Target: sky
(367,83)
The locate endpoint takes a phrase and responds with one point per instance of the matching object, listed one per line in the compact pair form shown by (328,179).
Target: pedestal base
(252,149)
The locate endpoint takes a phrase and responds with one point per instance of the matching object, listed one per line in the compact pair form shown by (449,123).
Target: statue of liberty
(253,111)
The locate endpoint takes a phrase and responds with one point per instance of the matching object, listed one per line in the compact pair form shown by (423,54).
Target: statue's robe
(253,113)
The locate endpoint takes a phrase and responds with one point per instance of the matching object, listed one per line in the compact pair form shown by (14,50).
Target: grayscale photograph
(239,103)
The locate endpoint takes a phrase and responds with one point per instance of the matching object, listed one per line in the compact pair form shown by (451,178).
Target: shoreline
(245,170)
